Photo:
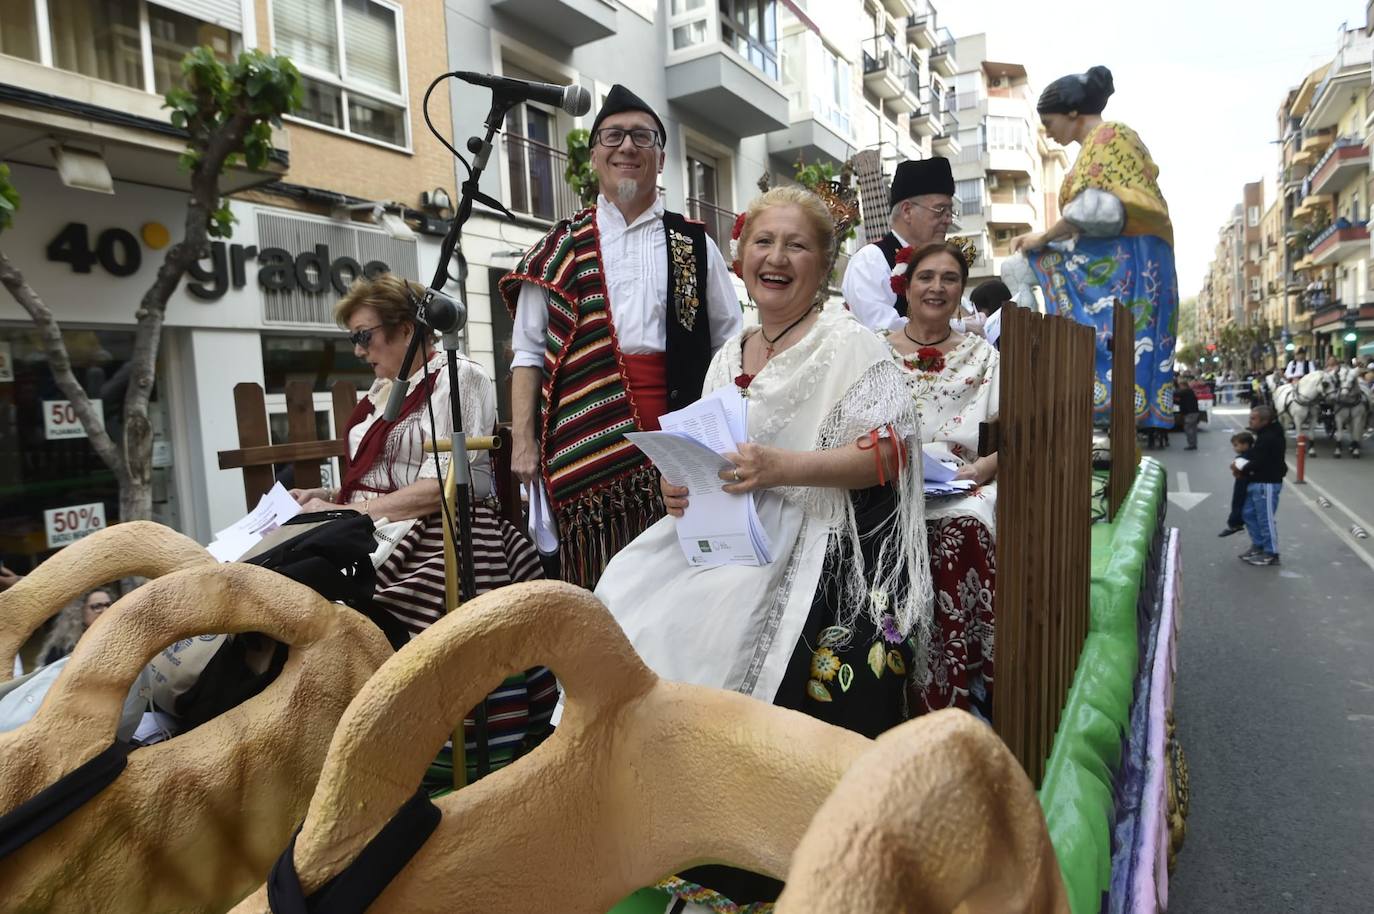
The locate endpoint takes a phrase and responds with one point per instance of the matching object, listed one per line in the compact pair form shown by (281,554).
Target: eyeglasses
(98,607)
(612,137)
(942,211)
(363,338)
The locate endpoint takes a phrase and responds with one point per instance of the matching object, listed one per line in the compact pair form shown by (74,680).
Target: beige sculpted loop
(645,777)
(192,824)
(136,549)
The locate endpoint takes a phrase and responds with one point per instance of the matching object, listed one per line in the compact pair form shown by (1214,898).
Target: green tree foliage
(579,174)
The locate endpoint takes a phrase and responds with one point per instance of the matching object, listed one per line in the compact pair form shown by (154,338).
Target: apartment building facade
(746,90)
(351,187)
(1007,173)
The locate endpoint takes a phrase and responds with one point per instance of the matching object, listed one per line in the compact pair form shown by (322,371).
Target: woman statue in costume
(1123,242)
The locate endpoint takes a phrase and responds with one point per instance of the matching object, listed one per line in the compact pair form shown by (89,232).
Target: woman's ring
(736,474)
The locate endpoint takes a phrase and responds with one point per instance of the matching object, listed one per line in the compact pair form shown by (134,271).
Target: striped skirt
(410,585)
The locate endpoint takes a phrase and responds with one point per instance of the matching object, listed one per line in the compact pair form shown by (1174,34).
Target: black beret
(621,99)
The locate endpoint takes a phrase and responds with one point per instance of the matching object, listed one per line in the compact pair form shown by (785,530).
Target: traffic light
(1350,334)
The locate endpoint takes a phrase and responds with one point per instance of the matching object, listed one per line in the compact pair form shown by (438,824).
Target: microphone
(574,99)
(439,312)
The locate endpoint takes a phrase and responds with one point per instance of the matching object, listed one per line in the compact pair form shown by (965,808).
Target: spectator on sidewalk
(1264,478)
(1185,403)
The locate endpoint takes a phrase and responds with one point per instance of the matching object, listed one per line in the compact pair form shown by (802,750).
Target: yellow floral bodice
(1113,159)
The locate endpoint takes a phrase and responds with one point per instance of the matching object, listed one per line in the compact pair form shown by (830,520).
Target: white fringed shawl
(735,627)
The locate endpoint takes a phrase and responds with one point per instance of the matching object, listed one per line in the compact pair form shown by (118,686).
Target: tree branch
(152,311)
(61,365)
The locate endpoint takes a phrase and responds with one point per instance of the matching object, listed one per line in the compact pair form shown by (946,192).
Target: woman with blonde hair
(831,626)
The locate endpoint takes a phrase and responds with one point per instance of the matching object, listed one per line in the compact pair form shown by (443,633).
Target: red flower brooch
(742,381)
(899,270)
(927,358)
(735,264)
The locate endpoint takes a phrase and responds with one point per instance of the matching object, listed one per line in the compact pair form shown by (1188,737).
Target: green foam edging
(645,901)
(1076,793)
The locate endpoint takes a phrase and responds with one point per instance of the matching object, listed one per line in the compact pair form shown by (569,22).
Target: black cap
(621,99)
(921,176)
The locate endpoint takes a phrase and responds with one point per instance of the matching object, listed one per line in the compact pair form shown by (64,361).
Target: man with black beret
(617,312)
(922,210)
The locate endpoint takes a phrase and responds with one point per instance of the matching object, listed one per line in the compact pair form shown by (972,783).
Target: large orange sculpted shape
(192,824)
(645,777)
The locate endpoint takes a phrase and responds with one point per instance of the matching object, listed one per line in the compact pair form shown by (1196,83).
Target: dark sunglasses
(363,338)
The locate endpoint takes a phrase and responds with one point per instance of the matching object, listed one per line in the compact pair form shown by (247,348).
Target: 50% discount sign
(67,525)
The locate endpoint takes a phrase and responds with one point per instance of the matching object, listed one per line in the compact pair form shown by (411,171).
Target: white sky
(1200,81)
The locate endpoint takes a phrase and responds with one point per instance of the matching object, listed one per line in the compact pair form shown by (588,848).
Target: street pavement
(1275,694)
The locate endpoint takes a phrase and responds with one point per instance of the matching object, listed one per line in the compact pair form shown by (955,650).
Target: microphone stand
(481,150)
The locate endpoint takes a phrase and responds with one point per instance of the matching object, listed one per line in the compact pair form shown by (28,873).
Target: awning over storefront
(1366,349)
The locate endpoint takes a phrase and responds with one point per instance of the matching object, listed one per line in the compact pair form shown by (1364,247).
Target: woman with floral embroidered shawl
(833,625)
(954,383)
(1123,242)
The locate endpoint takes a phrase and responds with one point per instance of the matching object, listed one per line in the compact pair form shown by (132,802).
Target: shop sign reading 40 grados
(118,252)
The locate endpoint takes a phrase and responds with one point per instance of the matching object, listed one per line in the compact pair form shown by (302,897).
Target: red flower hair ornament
(735,264)
(899,270)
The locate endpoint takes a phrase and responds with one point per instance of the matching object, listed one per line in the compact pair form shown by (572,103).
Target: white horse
(1353,406)
(1301,402)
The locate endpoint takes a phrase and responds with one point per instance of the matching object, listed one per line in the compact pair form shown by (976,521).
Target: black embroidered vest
(687,348)
(889,244)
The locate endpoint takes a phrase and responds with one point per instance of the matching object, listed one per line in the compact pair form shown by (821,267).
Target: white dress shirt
(867,288)
(1297,368)
(634,264)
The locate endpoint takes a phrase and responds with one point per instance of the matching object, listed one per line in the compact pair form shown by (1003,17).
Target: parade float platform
(1110,787)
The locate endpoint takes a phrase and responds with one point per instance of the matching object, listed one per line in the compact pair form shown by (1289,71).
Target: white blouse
(405,462)
(634,262)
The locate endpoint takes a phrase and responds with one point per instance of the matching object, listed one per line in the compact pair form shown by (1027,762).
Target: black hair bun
(1100,80)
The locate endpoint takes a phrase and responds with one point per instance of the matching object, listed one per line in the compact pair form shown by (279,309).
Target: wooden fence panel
(1122,431)
(1044,522)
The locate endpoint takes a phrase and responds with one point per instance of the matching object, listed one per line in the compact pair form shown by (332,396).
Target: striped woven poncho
(604,491)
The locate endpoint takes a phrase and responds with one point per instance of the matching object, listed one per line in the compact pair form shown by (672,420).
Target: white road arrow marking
(1185,497)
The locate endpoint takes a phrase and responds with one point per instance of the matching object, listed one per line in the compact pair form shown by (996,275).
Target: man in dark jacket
(1264,478)
(1185,403)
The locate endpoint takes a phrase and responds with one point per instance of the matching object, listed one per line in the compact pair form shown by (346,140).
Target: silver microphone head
(577,101)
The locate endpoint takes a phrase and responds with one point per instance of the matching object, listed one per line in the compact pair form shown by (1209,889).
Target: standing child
(1241,442)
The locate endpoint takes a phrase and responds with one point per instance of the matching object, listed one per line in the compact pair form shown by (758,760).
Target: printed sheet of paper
(273,509)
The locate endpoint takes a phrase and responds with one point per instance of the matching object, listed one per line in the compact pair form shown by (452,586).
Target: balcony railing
(971,154)
(719,222)
(880,53)
(537,187)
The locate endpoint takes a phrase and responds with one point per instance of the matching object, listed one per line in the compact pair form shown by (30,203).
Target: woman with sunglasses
(388,475)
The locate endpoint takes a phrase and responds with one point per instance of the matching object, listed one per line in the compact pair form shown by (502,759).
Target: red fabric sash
(647,379)
(370,448)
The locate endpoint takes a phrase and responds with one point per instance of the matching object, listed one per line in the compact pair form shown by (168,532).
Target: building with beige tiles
(1007,173)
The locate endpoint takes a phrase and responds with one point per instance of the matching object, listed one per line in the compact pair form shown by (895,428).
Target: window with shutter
(349,55)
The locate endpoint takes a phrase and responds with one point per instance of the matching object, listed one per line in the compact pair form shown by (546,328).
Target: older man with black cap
(922,210)
(617,313)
